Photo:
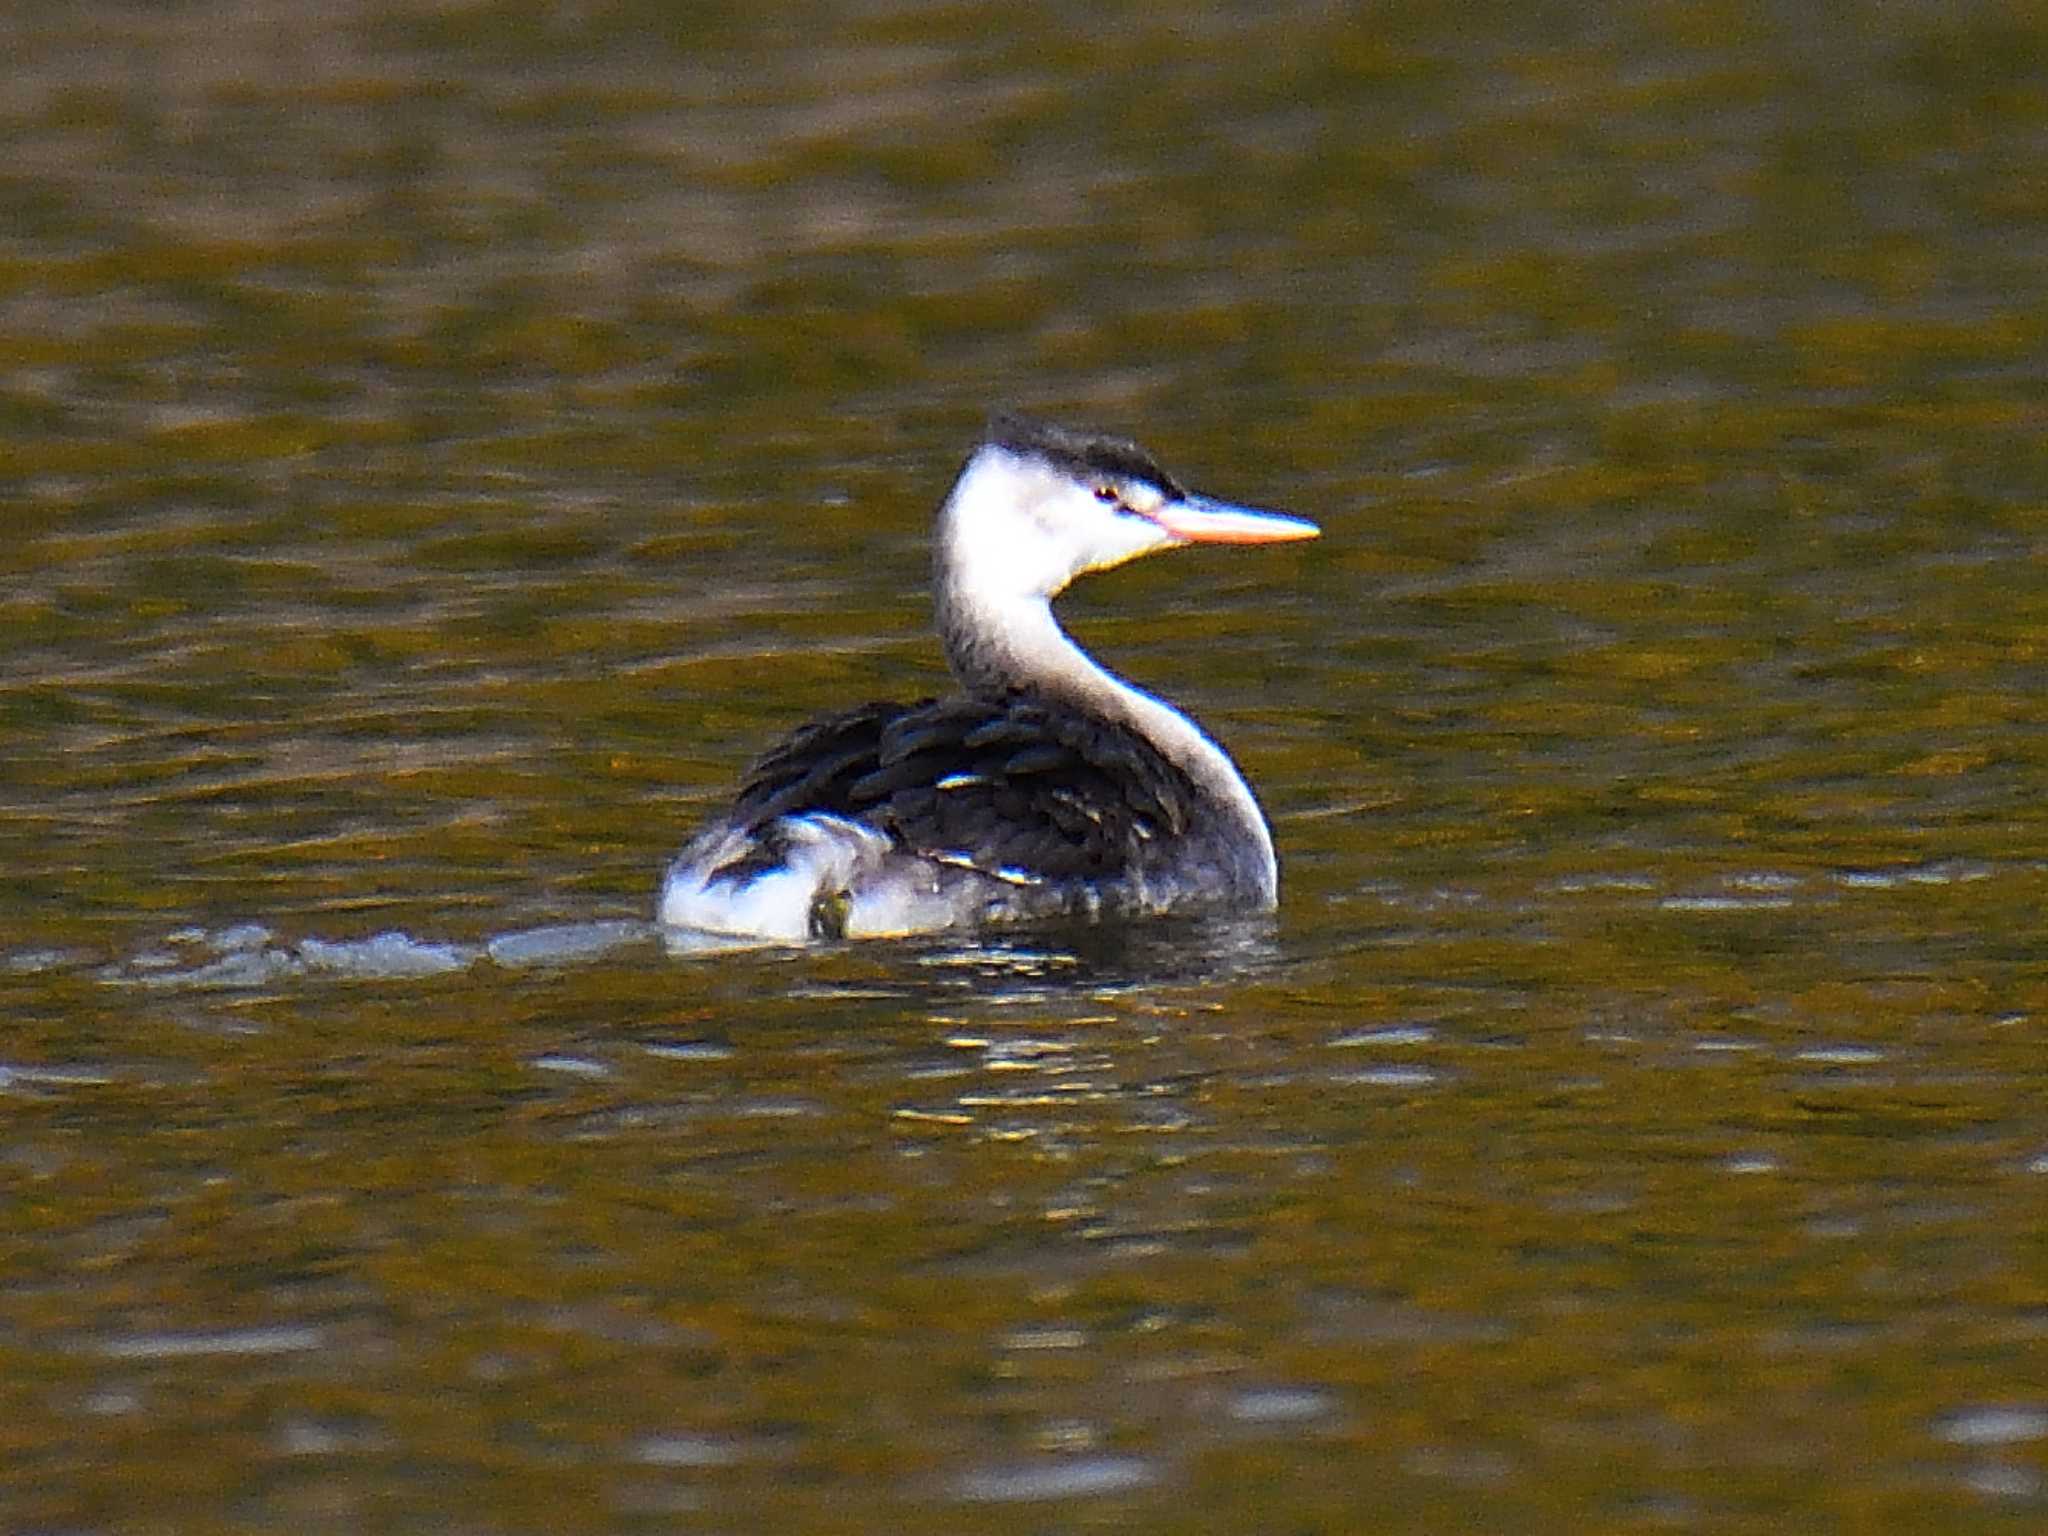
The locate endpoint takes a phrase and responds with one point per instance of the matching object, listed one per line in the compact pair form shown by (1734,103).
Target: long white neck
(999,644)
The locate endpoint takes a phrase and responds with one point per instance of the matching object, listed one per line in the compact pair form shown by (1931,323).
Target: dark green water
(439,444)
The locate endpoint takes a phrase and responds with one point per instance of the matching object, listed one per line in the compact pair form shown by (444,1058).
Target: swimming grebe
(1047,786)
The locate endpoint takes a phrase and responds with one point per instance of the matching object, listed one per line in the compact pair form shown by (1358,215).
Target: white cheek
(1013,552)
(1143,499)
(1126,538)
(1020,529)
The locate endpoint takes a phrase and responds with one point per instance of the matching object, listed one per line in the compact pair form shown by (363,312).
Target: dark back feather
(1015,784)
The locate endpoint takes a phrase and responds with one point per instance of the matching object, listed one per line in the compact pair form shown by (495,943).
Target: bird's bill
(1201,520)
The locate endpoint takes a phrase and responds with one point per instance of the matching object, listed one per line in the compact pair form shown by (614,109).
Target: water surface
(442,444)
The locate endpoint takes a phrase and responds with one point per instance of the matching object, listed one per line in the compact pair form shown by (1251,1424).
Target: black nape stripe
(1079,453)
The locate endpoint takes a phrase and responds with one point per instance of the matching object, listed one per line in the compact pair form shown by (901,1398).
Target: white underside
(886,894)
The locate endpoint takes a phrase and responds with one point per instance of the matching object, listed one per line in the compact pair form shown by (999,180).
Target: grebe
(1046,786)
